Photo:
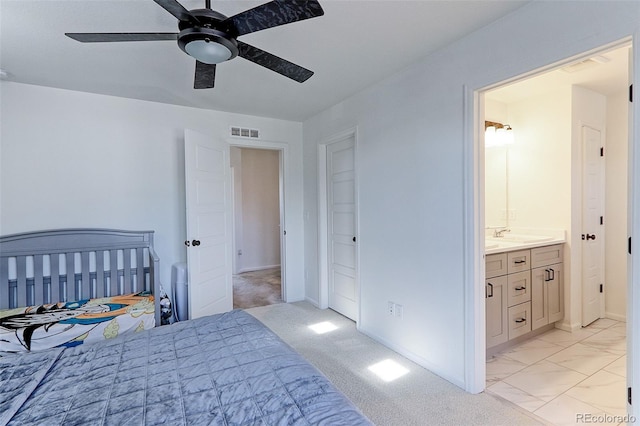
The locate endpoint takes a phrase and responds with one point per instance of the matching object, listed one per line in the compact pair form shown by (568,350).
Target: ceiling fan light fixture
(207,45)
(208,51)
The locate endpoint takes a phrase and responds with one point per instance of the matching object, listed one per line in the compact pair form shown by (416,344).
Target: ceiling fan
(211,37)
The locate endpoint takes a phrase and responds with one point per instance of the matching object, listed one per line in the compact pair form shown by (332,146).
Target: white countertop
(522,239)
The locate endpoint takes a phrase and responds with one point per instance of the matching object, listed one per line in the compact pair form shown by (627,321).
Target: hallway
(257,288)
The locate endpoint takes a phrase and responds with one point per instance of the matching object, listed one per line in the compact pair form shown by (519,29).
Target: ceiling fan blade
(109,37)
(273,62)
(205,75)
(177,10)
(273,14)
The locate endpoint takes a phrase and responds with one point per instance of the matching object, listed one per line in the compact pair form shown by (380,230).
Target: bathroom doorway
(579,366)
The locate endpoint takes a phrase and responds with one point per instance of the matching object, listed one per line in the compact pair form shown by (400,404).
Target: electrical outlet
(399,310)
(391,308)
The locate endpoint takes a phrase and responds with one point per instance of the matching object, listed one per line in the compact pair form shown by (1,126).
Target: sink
(519,238)
(490,244)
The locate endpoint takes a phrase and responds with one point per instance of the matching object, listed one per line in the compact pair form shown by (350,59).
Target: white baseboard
(435,369)
(616,317)
(258,268)
(312,301)
(566,326)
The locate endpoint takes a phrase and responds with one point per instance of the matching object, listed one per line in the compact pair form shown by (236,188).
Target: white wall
(259,209)
(616,187)
(71,159)
(540,161)
(413,168)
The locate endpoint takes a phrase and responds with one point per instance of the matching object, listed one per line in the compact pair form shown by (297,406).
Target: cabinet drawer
(518,261)
(518,288)
(548,255)
(495,265)
(519,319)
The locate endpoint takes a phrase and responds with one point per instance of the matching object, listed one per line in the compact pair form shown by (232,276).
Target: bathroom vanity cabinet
(547,292)
(523,292)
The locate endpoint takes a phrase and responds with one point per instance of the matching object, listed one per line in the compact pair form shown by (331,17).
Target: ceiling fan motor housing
(208,31)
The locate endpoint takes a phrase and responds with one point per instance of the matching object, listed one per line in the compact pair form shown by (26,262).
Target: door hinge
(629,395)
(601,151)
(629,248)
(601,285)
(631,93)
(601,220)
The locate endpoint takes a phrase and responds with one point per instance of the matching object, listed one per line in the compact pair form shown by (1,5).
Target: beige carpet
(257,288)
(417,398)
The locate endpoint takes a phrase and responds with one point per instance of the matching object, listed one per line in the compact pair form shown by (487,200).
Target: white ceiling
(355,44)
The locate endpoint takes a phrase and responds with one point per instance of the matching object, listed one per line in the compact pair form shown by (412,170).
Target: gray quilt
(227,369)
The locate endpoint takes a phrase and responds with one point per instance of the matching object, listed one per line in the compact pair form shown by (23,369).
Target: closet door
(341,219)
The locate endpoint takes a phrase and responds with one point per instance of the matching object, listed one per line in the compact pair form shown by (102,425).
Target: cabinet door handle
(518,262)
(553,274)
(520,320)
(490,294)
(520,288)
(547,275)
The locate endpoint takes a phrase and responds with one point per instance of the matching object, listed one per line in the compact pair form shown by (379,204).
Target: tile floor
(562,377)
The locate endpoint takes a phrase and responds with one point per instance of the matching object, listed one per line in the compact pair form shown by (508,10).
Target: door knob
(195,243)
(589,237)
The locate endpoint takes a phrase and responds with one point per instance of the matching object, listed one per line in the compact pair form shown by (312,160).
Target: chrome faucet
(497,233)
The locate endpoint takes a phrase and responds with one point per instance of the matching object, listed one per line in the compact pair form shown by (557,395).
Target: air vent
(243,132)
(587,63)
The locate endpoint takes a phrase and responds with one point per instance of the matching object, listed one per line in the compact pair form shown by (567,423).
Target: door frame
(323,227)
(473,224)
(283,150)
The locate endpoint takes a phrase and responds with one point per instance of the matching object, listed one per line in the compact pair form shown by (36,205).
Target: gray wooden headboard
(64,265)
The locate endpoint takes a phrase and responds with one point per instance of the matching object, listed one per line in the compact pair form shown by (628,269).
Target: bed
(226,369)
(66,287)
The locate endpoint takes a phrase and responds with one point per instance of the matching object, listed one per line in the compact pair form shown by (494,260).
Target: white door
(592,230)
(341,221)
(209,231)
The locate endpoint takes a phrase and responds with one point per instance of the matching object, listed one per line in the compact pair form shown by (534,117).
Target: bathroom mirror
(495,174)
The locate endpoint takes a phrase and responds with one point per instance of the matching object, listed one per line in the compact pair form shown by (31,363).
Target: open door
(209,229)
